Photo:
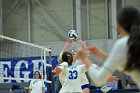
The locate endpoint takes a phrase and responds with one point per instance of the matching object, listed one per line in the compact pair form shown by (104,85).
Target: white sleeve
(63,67)
(64,64)
(116,58)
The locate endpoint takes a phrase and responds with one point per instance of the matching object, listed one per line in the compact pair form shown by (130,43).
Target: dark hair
(67,57)
(129,19)
(39,74)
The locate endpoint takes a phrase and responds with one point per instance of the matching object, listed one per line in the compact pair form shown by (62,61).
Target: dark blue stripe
(85,86)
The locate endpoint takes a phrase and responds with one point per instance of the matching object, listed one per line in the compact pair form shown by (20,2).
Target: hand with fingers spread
(97,52)
(82,53)
(68,43)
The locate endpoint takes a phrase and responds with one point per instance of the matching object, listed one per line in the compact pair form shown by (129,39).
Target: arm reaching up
(93,50)
(81,43)
(67,44)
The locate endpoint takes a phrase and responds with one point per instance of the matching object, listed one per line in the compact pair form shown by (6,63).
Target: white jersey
(36,86)
(70,78)
(116,61)
(84,80)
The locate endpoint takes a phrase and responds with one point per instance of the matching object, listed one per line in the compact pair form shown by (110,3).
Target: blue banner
(23,68)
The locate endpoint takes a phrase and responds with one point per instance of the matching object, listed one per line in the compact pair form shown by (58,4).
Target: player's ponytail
(67,57)
(129,19)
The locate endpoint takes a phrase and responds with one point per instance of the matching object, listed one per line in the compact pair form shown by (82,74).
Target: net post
(44,61)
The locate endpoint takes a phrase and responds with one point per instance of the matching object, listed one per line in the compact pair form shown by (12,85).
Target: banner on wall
(22,68)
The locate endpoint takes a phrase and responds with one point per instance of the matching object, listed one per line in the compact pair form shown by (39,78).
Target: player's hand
(97,52)
(79,41)
(68,43)
(82,53)
(112,79)
(93,50)
(57,70)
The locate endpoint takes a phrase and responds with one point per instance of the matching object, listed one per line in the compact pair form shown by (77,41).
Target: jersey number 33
(73,74)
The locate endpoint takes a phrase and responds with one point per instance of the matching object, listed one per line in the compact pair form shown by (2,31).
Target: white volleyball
(72,34)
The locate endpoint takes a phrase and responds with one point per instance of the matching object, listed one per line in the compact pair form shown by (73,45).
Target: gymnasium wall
(51,19)
(135,3)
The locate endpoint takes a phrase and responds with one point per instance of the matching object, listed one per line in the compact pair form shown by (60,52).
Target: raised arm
(113,62)
(67,44)
(81,43)
(93,50)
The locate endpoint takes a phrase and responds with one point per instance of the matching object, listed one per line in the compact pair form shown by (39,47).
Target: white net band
(23,42)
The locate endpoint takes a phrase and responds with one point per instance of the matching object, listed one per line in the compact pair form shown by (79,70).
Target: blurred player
(125,53)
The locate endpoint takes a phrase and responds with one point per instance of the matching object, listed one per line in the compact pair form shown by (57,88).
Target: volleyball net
(19,60)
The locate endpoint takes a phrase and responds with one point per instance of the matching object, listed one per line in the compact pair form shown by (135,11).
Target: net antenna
(11,48)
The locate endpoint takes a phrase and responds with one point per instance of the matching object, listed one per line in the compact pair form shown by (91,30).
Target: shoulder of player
(122,41)
(81,66)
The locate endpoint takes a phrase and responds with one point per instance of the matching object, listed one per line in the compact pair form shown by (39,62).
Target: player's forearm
(83,45)
(62,51)
(64,48)
(97,52)
(98,76)
(86,61)
(102,55)
(43,90)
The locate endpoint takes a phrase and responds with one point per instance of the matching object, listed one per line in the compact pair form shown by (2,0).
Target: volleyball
(72,34)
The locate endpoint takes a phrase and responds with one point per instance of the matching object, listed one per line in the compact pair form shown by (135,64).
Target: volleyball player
(125,55)
(70,75)
(76,62)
